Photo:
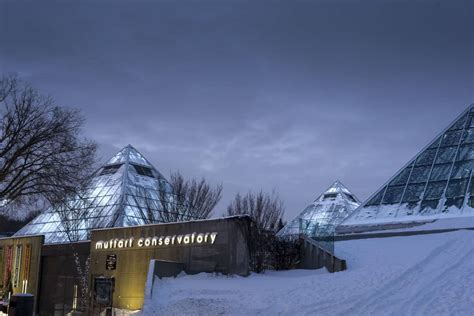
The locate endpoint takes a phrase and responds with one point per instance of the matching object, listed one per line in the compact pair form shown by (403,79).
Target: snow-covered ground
(413,275)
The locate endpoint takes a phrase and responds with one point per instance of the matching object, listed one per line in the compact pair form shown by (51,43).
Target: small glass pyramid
(436,183)
(126,191)
(320,218)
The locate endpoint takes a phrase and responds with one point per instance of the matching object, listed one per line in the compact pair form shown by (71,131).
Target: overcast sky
(285,95)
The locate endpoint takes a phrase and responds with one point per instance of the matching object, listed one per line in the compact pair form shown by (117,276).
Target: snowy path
(416,275)
(424,288)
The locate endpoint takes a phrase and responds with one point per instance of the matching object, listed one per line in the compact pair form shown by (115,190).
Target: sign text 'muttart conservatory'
(157,241)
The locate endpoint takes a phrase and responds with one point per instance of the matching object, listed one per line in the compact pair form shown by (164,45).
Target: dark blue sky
(289,95)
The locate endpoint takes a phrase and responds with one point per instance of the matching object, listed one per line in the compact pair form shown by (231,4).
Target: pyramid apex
(129,154)
(337,186)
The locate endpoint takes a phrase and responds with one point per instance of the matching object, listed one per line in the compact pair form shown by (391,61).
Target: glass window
(435,143)
(350,197)
(393,194)
(471,188)
(450,138)
(428,206)
(470,122)
(468,136)
(453,202)
(459,124)
(413,192)
(470,202)
(330,196)
(426,158)
(375,200)
(462,169)
(420,174)
(446,154)
(456,188)
(434,190)
(131,200)
(402,177)
(440,172)
(466,152)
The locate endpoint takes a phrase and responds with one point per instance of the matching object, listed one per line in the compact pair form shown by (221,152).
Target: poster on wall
(8,265)
(16,268)
(111,262)
(26,262)
(1,267)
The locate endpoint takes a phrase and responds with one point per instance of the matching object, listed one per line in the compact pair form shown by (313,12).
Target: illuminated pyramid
(321,217)
(126,191)
(437,183)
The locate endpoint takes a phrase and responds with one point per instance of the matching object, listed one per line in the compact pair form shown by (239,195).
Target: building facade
(116,262)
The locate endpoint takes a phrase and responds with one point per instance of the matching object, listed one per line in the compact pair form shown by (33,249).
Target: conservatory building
(125,191)
(125,227)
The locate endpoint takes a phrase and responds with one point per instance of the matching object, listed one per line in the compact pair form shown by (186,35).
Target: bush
(271,253)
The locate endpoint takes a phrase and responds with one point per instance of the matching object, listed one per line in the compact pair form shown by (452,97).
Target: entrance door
(103,295)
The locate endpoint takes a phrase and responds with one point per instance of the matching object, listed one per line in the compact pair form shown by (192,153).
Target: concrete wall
(314,257)
(228,253)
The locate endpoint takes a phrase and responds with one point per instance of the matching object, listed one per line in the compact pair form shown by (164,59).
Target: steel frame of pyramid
(319,219)
(436,183)
(126,191)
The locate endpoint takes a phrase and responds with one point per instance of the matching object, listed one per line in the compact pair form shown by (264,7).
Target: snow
(418,223)
(381,214)
(411,275)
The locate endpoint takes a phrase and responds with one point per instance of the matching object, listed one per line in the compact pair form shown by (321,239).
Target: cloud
(290,96)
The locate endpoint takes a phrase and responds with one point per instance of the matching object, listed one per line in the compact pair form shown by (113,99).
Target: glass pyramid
(436,183)
(126,191)
(320,218)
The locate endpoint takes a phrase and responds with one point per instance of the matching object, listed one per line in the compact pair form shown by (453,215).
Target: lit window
(330,196)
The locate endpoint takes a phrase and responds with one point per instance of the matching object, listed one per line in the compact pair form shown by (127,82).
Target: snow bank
(408,225)
(413,275)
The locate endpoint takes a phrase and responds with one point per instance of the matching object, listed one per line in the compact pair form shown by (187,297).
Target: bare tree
(188,199)
(45,161)
(197,195)
(73,218)
(42,155)
(265,209)
(172,206)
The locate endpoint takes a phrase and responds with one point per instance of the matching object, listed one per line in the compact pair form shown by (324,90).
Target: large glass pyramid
(320,218)
(126,191)
(436,183)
